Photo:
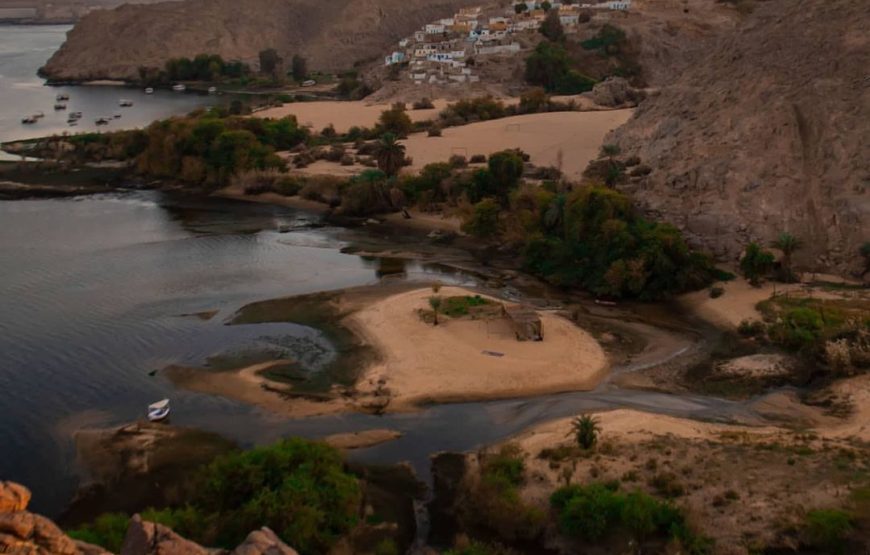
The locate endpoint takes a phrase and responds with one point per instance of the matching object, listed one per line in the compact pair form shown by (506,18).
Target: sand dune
(343,115)
(425,363)
(578,135)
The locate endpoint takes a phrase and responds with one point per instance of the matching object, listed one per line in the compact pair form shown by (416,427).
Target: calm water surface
(26,48)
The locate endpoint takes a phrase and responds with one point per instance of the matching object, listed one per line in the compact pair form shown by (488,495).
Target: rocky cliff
(767,130)
(25,533)
(331,34)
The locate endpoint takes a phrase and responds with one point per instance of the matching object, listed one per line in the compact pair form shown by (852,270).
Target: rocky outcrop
(766,131)
(24,533)
(615,92)
(333,35)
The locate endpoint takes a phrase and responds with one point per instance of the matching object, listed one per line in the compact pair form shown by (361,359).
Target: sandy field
(423,363)
(343,114)
(578,135)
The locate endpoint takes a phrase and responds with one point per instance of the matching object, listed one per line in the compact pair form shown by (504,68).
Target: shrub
(457,161)
(828,529)
(756,263)
(346,160)
(585,429)
(423,104)
(716,291)
(434,131)
(751,328)
(108,531)
(288,186)
(484,220)
(477,159)
(396,121)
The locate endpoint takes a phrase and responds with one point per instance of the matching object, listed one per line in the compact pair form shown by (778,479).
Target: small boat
(75,115)
(149,90)
(309,83)
(116,115)
(60,106)
(212,90)
(102,121)
(62,97)
(124,103)
(158,411)
(72,122)
(38,115)
(28,120)
(179,88)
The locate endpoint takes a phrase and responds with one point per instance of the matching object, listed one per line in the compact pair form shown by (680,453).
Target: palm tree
(788,244)
(435,303)
(585,430)
(390,154)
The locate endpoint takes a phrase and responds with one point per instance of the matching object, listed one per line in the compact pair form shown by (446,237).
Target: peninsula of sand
(415,362)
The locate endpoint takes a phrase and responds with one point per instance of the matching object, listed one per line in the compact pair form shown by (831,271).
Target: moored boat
(212,90)
(62,97)
(102,121)
(149,90)
(179,88)
(124,103)
(116,115)
(60,106)
(29,120)
(158,411)
(38,115)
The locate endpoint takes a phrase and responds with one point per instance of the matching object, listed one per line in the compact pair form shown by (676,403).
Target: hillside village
(444,52)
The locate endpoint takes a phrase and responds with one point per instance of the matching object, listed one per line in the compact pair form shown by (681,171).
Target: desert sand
(577,135)
(423,363)
(343,115)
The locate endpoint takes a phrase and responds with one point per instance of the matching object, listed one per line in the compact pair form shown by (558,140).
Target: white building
(394,58)
(435,29)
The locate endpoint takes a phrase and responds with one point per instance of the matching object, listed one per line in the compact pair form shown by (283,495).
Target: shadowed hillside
(766,131)
(332,34)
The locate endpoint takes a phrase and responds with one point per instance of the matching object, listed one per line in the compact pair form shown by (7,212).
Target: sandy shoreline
(421,363)
(417,363)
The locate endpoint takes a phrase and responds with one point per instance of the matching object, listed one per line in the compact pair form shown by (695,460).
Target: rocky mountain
(767,130)
(331,34)
(25,533)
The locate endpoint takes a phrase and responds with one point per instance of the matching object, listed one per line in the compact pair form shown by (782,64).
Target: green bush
(107,531)
(484,221)
(828,529)
(595,511)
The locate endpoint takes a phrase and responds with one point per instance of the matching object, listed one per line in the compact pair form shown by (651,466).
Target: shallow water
(92,297)
(25,48)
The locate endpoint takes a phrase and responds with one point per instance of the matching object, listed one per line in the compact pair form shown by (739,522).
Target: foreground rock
(25,533)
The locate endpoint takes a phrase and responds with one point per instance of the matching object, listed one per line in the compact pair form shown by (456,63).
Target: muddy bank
(151,464)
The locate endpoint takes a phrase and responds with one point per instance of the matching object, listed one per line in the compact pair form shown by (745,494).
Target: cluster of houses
(441,52)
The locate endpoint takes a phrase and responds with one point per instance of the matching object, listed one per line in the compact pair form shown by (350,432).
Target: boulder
(13,497)
(614,91)
(263,542)
(149,538)
(26,533)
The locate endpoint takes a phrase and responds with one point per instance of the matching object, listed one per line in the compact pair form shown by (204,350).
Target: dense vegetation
(834,333)
(297,488)
(204,67)
(595,512)
(564,66)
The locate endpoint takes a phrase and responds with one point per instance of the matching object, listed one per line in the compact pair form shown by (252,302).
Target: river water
(96,292)
(25,48)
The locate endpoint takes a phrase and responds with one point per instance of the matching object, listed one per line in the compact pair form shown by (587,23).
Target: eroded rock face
(13,497)
(615,92)
(263,542)
(765,132)
(149,538)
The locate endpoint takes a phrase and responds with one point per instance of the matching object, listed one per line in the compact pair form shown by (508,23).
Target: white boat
(124,103)
(212,90)
(149,90)
(61,97)
(60,106)
(179,88)
(28,120)
(158,411)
